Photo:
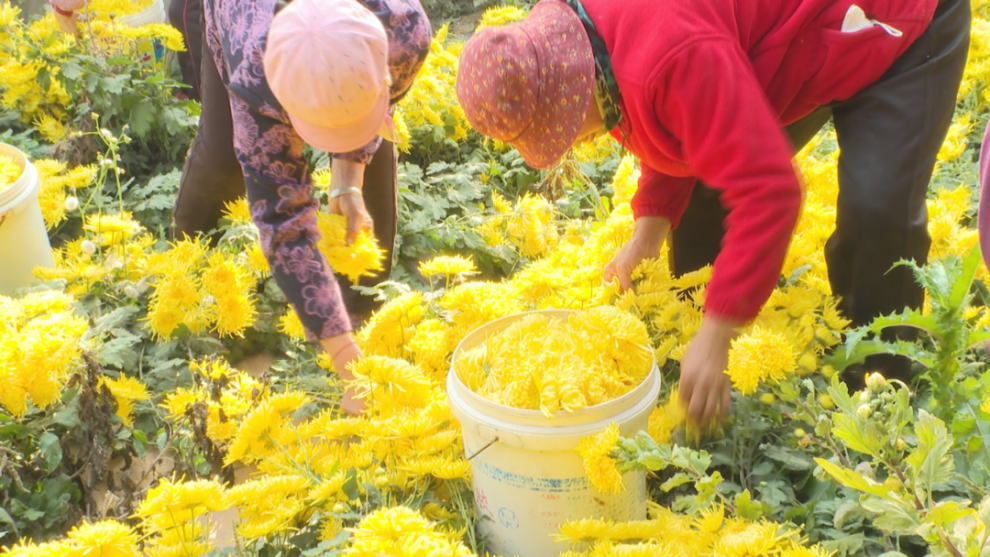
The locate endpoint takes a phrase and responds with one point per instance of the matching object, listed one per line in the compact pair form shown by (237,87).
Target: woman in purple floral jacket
(277,74)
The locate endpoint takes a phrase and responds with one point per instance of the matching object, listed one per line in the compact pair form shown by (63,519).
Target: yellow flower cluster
(596,456)
(20,89)
(225,394)
(432,100)
(500,15)
(40,345)
(304,464)
(29,49)
(56,182)
(759,356)
(169,516)
(126,391)
(401,532)
(362,258)
(107,538)
(115,248)
(10,171)
(551,364)
(670,534)
(199,290)
(448,265)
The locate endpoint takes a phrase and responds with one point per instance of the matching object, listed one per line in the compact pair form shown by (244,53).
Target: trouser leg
(187,17)
(211,176)
(889,135)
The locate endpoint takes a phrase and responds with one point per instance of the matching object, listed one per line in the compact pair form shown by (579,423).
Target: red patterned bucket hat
(530,83)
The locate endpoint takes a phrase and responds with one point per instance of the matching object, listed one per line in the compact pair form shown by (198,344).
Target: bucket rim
(21,188)
(560,418)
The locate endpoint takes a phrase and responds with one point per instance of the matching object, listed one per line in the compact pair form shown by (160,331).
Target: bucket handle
(483,449)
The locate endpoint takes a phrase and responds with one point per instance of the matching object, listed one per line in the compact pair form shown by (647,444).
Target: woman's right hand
(343,350)
(647,239)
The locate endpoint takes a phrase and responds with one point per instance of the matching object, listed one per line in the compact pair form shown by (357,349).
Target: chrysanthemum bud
(130,291)
(864,397)
(875,382)
(900,444)
(88,247)
(864,411)
(799,433)
(828,371)
(768,398)
(71,203)
(339,508)
(826,401)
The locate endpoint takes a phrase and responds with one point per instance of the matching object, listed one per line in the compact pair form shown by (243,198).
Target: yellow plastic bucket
(23,236)
(527,476)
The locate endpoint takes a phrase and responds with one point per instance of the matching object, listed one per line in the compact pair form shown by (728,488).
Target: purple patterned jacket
(279,187)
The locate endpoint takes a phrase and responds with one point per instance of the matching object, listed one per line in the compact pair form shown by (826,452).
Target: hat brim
(344,139)
(566,93)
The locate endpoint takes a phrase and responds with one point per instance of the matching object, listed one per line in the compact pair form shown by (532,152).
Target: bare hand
(343,351)
(351,205)
(705,388)
(647,239)
(346,175)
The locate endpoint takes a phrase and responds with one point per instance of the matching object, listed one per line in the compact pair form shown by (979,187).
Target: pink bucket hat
(327,64)
(530,83)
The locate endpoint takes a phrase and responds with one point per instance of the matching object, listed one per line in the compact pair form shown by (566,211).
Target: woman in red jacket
(715,96)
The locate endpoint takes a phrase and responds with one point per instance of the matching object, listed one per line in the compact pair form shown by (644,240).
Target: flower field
(129,426)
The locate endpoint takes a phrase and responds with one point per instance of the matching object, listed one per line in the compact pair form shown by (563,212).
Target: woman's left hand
(351,205)
(347,177)
(705,388)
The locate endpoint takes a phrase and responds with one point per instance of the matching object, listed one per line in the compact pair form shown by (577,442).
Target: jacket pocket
(853,61)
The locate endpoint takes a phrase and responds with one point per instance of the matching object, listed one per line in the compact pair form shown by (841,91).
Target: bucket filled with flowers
(23,238)
(530,390)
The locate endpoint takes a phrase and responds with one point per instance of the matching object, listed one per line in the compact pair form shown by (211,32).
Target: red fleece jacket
(706,87)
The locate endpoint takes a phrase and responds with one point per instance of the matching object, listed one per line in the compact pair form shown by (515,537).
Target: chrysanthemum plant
(53,82)
(947,336)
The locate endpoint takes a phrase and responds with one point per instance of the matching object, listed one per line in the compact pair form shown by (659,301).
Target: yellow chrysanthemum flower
(107,538)
(10,171)
(759,356)
(126,391)
(448,265)
(599,466)
(362,258)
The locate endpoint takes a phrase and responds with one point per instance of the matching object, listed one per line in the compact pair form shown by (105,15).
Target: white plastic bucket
(155,13)
(23,236)
(527,476)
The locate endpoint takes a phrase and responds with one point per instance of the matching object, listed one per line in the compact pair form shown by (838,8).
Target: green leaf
(676,481)
(5,516)
(857,352)
(686,459)
(859,435)
(891,516)
(908,317)
(947,512)
(845,511)
(747,508)
(51,451)
(141,117)
(846,545)
(791,460)
(854,480)
(960,291)
(930,460)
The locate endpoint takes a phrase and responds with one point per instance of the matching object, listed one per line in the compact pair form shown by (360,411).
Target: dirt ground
(463,26)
